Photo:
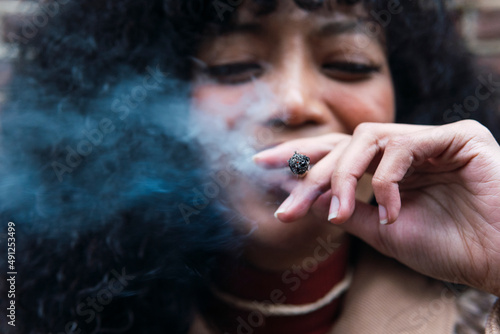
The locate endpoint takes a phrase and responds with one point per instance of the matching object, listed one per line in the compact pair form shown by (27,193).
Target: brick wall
(480,24)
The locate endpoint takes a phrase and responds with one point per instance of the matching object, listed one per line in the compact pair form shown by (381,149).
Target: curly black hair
(83,221)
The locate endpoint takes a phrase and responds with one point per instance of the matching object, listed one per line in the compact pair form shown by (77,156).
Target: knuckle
(398,142)
(479,130)
(380,182)
(340,175)
(471,124)
(364,128)
(475,131)
(316,183)
(337,177)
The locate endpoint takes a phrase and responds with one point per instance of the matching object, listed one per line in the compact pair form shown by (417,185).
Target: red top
(301,284)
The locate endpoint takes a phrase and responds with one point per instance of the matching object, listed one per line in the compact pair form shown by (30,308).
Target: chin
(265,230)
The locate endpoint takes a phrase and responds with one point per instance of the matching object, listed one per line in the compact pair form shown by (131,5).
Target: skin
(437,187)
(308,99)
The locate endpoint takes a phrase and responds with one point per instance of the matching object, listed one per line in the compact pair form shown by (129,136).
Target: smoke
(230,137)
(71,163)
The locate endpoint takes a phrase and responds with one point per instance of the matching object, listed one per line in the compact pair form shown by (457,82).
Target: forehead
(256,21)
(251,11)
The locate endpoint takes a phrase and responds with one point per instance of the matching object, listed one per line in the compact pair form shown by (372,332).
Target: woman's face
(307,74)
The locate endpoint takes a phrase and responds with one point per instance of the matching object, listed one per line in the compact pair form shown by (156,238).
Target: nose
(298,95)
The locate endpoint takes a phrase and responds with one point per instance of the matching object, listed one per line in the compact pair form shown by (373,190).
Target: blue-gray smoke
(69,163)
(72,163)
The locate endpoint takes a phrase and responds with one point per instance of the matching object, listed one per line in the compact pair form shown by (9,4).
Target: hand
(438,190)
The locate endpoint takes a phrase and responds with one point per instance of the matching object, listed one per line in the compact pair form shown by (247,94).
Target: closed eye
(348,71)
(234,73)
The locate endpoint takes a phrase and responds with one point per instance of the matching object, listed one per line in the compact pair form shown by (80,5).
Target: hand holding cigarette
(438,184)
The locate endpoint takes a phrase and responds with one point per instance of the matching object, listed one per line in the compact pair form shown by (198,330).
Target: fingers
(346,172)
(311,187)
(387,150)
(398,153)
(339,170)
(396,161)
(315,148)
(394,154)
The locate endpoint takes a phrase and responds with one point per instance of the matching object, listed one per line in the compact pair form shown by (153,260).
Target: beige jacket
(386,297)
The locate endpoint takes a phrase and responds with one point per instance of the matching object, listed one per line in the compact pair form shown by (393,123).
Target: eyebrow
(244,29)
(340,27)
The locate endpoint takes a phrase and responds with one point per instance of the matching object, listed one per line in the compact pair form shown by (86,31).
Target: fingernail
(284,206)
(334,208)
(382,214)
(256,157)
(260,155)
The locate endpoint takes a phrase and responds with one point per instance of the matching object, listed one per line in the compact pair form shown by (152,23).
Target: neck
(302,284)
(316,244)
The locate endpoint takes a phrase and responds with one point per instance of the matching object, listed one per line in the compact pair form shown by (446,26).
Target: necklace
(270,309)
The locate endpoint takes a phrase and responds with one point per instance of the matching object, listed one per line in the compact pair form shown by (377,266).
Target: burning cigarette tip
(299,163)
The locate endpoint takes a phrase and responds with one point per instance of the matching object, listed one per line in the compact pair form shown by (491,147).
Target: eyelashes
(349,71)
(242,72)
(353,68)
(234,73)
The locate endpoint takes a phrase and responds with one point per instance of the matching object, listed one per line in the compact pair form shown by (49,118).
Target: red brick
(490,62)
(488,24)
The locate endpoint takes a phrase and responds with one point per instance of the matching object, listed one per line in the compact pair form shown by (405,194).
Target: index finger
(316,148)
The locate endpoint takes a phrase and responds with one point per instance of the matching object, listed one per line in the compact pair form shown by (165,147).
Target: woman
(326,80)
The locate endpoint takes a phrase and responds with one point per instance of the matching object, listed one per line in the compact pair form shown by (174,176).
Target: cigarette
(299,164)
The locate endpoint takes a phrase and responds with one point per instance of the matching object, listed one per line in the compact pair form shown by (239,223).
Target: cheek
(208,95)
(224,102)
(370,102)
